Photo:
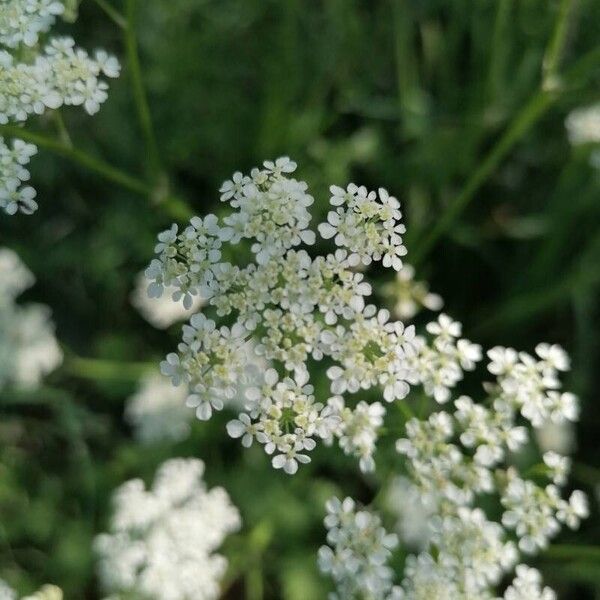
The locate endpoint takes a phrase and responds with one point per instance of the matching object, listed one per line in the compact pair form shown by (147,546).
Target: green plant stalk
(139,92)
(525,119)
(78,156)
(557,43)
(572,552)
(173,206)
(106,370)
(112,13)
(522,123)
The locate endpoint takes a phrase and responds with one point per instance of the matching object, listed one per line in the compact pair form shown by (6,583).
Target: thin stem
(61,127)
(101,370)
(112,13)
(557,44)
(405,409)
(78,156)
(139,93)
(524,120)
(572,552)
(173,206)
(538,104)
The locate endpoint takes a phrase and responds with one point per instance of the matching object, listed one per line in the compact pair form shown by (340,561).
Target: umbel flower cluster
(35,78)
(288,307)
(28,346)
(162,540)
(453,458)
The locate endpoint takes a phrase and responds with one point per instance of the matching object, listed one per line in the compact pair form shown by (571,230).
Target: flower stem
(573,552)
(523,121)
(556,47)
(175,207)
(139,93)
(112,13)
(78,156)
(106,370)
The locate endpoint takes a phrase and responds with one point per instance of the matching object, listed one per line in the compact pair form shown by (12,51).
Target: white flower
(583,125)
(157,411)
(410,296)
(163,311)
(527,586)
(358,552)
(13,173)
(162,541)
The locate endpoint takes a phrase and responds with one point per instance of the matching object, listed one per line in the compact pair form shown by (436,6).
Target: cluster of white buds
(22,21)
(455,457)
(34,79)
(439,364)
(358,553)
(295,308)
(28,346)
(162,541)
(583,129)
(15,196)
(410,296)
(531,385)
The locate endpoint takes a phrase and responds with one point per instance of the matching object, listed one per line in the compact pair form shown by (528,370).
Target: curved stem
(173,206)
(80,157)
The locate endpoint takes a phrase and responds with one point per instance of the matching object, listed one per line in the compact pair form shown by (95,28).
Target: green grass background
(456,106)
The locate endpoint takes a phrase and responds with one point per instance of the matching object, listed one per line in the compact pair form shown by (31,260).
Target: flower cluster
(15,196)
(157,410)
(28,347)
(583,128)
(358,553)
(162,540)
(453,457)
(294,307)
(367,224)
(38,79)
(410,296)
(22,21)
(439,364)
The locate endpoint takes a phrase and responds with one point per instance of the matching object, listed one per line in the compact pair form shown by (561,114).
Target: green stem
(537,105)
(405,409)
(523,121)
(572,552)
(61,127)
(173,206)
(113,14)
(139,93)
(78,156)
(557,43)
(106,370)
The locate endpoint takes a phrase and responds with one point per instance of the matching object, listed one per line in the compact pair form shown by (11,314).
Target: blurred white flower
(6,592)
(157,411)
(413,511)
(559,437)
(583,125)
(28,346)
(161,542)
(163,311)
(410,296)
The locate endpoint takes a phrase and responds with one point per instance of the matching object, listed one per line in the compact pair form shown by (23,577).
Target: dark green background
(416,96)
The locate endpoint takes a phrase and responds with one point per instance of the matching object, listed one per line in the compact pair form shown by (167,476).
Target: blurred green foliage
(456,106)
